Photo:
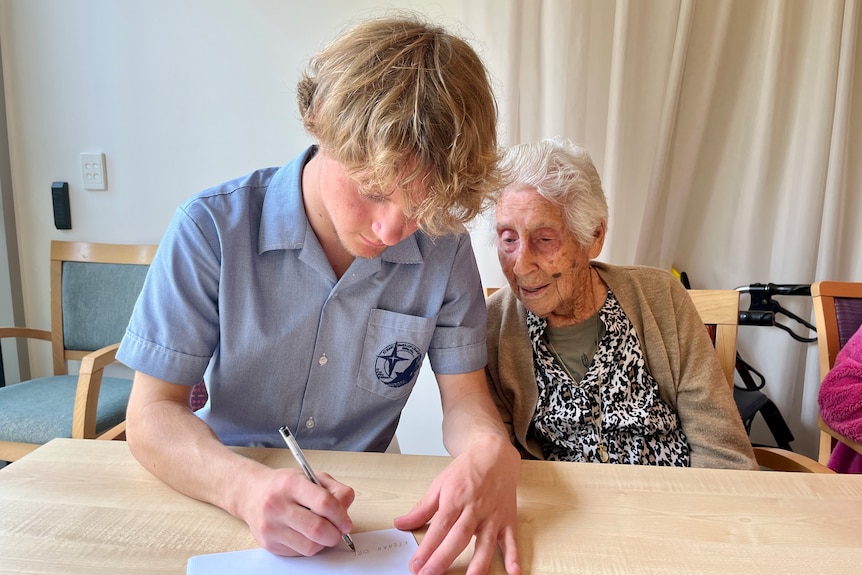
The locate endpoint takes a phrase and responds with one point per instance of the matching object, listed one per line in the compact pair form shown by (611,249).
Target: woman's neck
(584,304)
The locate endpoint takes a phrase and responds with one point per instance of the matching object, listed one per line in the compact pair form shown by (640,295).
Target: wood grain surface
(87,507)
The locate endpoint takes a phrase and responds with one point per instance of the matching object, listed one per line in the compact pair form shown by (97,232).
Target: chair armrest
(25,332)
(783,460)
(99,359)
(824,427)
(87,395)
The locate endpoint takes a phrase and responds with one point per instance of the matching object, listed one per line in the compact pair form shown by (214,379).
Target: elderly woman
(589,361)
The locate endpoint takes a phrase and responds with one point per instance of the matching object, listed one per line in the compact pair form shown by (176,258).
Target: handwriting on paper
(407,541)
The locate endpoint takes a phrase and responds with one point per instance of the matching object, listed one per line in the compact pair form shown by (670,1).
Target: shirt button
(310,423)
(322,360)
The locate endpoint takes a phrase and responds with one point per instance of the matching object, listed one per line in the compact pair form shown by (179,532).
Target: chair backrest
(838,313)
(94,287)
(719,310)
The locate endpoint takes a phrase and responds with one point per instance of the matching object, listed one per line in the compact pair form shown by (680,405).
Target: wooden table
(79,506)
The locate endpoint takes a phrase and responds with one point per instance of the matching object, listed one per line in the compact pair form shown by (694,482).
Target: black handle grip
(753,317)
(777,289)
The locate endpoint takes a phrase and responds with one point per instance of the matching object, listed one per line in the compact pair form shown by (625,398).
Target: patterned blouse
(615,407)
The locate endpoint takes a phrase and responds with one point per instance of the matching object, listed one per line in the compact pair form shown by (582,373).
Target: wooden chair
(93,290)
(719,310)
(838,313)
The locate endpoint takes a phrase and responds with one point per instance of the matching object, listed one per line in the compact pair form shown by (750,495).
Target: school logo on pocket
(397,363)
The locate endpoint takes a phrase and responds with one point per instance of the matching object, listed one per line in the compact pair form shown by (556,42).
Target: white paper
(385,552)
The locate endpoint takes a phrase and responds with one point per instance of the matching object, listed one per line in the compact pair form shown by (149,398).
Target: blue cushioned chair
(93,290)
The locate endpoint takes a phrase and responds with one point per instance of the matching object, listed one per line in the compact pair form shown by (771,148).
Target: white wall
(179,95)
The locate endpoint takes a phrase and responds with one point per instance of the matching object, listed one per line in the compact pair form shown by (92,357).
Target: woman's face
(547,269)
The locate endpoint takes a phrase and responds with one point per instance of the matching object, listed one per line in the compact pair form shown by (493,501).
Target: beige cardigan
(679,355)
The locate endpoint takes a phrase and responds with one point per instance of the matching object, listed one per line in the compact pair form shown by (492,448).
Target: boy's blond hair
(399,101)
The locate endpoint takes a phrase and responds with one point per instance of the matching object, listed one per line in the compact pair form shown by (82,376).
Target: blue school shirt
(240,293)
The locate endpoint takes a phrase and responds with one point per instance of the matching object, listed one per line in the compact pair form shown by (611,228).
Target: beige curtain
(728,134)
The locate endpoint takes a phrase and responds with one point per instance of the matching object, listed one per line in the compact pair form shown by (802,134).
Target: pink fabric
(844,460)
(199,396)
(841,403)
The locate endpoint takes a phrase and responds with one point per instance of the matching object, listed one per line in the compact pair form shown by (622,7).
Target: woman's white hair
(562,173)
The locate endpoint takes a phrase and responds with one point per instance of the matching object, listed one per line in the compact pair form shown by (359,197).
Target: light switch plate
(93,172)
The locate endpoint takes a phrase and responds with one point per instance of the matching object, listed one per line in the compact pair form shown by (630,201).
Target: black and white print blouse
(630,419)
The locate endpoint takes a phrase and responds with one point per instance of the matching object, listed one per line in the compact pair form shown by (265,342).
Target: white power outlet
(93,172)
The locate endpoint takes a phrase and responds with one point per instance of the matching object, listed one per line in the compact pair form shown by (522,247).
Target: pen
(309,472)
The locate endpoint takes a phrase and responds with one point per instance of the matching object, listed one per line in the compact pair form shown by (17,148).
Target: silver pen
(290,440)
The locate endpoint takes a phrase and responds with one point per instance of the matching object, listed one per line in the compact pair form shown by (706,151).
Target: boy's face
(363,223)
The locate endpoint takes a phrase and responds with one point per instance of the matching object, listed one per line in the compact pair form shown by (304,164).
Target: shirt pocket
(392,355)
